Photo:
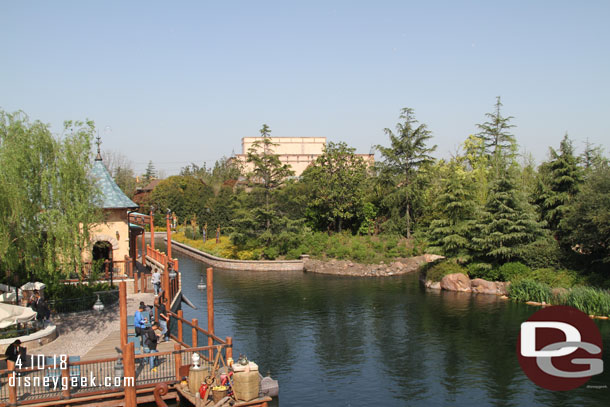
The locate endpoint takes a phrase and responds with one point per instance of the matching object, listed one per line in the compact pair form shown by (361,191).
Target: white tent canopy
(33,286)
(12,314)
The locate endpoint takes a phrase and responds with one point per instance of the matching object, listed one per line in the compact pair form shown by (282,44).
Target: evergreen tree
(507,224)
(499,142)
(456,206)
(559,182)
(405,156)
(151,172)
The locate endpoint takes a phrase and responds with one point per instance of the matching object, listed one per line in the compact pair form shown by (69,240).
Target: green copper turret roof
(112,196)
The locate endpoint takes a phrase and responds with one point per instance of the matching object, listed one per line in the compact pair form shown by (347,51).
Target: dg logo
(560,348)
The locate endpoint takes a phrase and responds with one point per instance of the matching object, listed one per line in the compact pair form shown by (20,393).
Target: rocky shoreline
(350,268)
(461,282)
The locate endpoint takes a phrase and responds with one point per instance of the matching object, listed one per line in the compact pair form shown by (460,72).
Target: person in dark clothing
(163,319)
(150,340)
(12,352)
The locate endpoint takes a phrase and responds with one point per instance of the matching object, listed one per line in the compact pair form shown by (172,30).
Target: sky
(180,82)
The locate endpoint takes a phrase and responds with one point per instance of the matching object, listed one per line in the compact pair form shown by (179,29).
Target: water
(344,341)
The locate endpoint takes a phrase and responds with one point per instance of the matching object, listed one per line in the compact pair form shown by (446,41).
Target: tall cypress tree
(507,224)
(500,143)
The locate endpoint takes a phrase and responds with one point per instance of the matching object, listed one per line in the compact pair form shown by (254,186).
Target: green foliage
(507,223)
(543,252)
(151,172)
(499,142)
(514,272)
(586,223)
(335,182)
(440,270)
(407,153)
(46,197)
(591,301)
(529,290)
(556,278)
(483,270)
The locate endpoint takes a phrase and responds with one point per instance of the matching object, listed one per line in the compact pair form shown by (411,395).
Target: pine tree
(151,172)
(406,154)
(499,142)
(559,182)
(453,230)
(507,224)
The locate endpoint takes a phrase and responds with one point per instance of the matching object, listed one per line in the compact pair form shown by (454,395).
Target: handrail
(198,328)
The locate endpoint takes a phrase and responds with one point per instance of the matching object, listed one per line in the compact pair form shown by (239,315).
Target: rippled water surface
(343,341)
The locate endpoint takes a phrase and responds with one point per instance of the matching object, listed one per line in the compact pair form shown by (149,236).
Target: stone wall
(229,264)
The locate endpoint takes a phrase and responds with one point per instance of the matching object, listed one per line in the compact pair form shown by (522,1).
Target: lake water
(344,341)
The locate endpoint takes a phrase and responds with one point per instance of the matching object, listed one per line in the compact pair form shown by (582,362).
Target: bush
(529,290)
(440,270)
(589,300)
(514,271)
(483,270)
(541,253)
(271,253)
(556,278)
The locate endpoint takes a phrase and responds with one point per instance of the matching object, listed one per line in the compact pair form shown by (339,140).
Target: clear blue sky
(182,82)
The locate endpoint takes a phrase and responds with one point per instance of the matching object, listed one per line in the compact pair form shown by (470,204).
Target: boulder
(502,287)
(456,282)
(435,285)
(479,285)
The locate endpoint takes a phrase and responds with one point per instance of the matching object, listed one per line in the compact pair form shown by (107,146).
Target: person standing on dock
(156,281)
(163,318)
(150,340)
(139,323)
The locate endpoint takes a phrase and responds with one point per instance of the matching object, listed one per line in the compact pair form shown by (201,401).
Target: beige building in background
(298,152)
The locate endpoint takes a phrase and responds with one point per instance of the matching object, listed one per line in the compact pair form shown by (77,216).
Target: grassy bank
(341,246)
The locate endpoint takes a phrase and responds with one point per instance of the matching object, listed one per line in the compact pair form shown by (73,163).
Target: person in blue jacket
(139,323)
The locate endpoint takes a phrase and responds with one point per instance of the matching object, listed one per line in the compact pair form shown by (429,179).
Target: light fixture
(98,306)
(119,370)
(195,358)
(201,284)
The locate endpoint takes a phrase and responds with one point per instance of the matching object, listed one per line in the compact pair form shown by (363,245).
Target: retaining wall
(229,264)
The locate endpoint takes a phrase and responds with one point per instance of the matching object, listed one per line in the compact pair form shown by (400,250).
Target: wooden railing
(170,286)
(120,270)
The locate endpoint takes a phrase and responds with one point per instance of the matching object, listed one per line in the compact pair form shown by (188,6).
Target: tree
(267,175)
(499,142)
(407,153)
(151,172)
(452,231)
(121,170)
(185,196)
(336,185)
(559,181)
(47,198)
(586,223)
(507,224)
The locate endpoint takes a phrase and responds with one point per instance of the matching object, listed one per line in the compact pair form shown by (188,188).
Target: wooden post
(106,267)
(136,277)
(194,333)
(12,390)
(65,375)
(178,360)
(166,282)
(210,298)
(180,326)
(144,247)
(123,312)
(129,364)
(143,282)
(169,236)
(152,230)
(229,348)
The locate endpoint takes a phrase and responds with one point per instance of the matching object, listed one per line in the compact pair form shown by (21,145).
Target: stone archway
(105,238)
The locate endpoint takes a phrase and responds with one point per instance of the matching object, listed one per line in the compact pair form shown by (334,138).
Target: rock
(456,282)
(434,285)
(481,286)
(502,287)
(429,258)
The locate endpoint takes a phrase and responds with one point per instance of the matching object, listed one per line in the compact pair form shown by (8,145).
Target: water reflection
(341,341)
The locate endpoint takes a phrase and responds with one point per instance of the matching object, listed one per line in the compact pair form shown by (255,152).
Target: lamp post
(169,233)
(152,227)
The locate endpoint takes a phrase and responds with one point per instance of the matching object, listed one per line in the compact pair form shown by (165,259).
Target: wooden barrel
(196,377)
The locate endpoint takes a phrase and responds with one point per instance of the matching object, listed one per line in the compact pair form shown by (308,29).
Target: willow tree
(47,198)
(407,153)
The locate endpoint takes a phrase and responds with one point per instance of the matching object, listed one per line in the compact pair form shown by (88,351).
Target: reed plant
(592,301)
(529,290)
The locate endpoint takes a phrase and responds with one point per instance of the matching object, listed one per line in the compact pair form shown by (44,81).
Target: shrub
(270,253)
(440,270)
(556,278)
(541,253)
(514,271)
(591,301)
(483,270)
(529,290)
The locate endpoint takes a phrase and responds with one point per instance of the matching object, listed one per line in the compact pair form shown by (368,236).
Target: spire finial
(98,141)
